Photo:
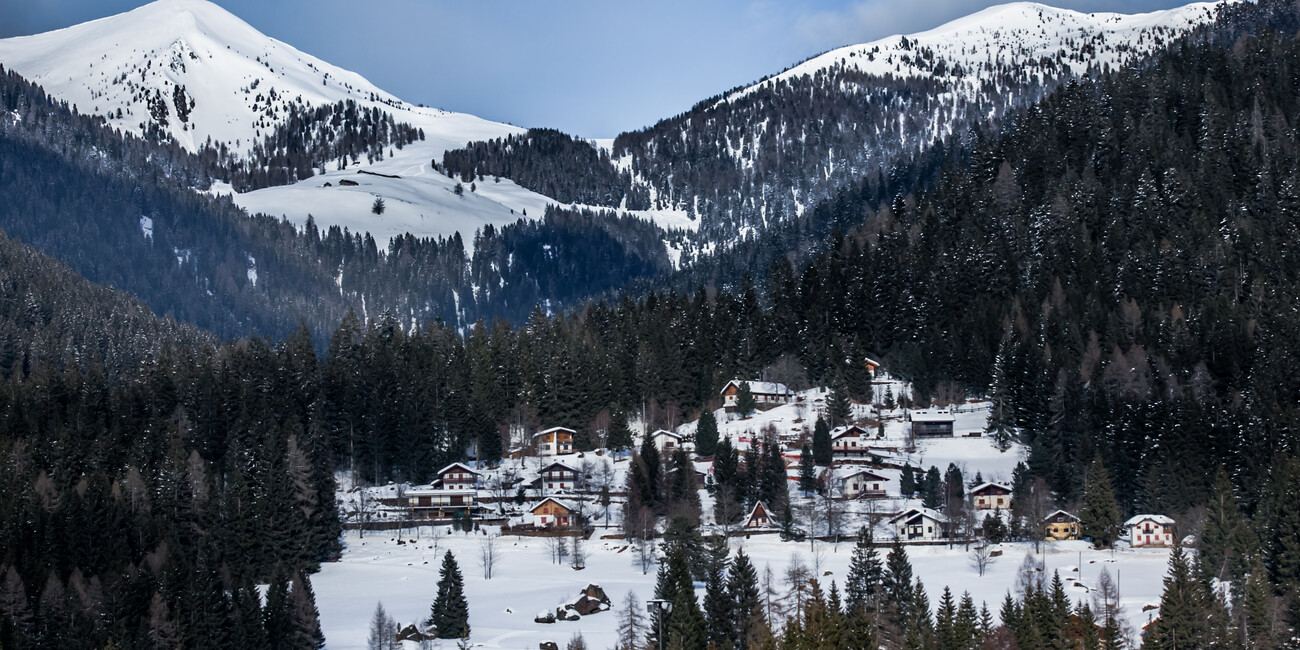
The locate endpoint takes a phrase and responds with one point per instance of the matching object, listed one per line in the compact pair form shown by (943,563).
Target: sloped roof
(1061,512)
(665,432)
(912,512)
(841,432)
(984,486)
(933,416)
(562,504)
(1159,519)
(463,467)
(761,387)
(553,429)
(561,466)
(870,475)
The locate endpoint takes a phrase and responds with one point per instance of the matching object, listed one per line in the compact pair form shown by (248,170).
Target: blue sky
(588,67)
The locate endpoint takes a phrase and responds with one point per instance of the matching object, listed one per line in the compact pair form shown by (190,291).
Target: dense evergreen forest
(551,163)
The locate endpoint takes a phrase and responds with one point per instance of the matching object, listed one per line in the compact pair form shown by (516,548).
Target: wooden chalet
(553,513)
(850,441)
(936,423)
(766,394)
(918,524)
(1061,525)
(991,496)
(456,476)
(1150,530)
(554,441)
(557,476)
(440,504)
(759,517)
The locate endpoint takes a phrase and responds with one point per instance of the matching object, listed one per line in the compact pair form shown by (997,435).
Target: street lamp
(664,608)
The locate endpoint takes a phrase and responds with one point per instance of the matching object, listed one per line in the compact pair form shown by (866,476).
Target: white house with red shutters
(456,476)
(850,441)
(862,484)
(1150,530)
(991,496)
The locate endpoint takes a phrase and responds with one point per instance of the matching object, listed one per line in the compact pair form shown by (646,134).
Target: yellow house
(1061,525)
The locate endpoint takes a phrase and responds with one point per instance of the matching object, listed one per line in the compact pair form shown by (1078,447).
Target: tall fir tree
(866,575)
(706,434)
(807,471)
(449,614)
(822,448)
(1099,518)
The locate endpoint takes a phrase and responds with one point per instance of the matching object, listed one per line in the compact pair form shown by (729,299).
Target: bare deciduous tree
(644,552)
(488,552)
(981,557)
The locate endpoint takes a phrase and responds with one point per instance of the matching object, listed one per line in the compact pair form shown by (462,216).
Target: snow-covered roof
(1158,519)
(844,432)
(761,387)
(1061,512)
(939,415)
(862,472)
(553,430)
(425,492)
(871,362)
(664,432)
(912,512)
(461,466)
(562,504)
(560,465)
(754,510)
(984,486)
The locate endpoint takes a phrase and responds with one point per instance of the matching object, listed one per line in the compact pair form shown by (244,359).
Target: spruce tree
(620,436)
(304,616)
(897,582)
(449,614)
(742,587)
(718,606)
(823,454)
(865,575)
(838,407)
(1184,609)
(745,403)
(907,481)
(1099,518)
(807,471)
(706,434)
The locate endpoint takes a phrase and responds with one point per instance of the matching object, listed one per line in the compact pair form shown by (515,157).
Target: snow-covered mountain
(200,72)
(194,71)
(760,155)
(985,44)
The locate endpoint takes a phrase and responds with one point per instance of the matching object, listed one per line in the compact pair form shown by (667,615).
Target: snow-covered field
(526,581)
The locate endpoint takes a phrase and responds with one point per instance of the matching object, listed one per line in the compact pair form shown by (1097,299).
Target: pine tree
(838,407)
(866,575)
(1184,609)
(620,436)
(745,403)
(304,616)
(807,471)
(945,622)
(1099,518)
(706,434)
(718,613)
(907,481)
(449,614)
(742,586)
(896,586)
(823,453)
(378,206)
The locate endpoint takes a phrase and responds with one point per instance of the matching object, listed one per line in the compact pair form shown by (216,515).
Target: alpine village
(980,337)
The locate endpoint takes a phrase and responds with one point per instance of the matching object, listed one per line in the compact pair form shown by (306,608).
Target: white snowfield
(526,581)
(1006,36)
(241,83)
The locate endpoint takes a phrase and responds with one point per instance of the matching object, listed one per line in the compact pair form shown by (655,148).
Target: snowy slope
(976,47)
(237,84)
(238,79)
